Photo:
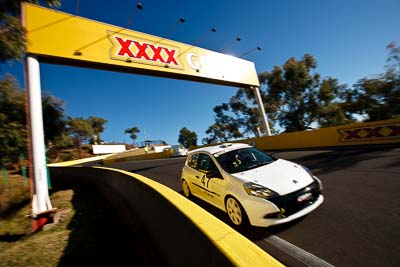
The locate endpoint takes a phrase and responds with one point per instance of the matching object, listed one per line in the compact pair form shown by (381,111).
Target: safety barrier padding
(176,232)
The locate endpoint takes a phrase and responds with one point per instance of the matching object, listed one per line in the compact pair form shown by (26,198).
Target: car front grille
(291,203)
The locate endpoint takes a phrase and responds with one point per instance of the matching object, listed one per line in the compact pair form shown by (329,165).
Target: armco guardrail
(176,232)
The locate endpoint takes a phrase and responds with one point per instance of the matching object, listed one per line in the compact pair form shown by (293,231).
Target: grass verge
(87,231)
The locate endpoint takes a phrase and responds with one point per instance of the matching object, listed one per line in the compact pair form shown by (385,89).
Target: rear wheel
(186,189)
(235,211)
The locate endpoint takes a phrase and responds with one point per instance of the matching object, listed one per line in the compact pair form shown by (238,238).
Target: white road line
(296,252)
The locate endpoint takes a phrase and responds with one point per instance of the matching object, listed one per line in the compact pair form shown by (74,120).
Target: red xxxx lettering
(395,130)
(350,134)
(124,47)
(373,132)
(142,51)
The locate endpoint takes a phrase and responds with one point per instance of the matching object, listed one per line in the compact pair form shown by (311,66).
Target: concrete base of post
(39,220)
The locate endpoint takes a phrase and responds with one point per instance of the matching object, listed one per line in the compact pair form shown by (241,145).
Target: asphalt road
(357,225)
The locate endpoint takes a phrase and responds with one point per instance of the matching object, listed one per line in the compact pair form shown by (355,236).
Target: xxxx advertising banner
(385,132)
(61,38)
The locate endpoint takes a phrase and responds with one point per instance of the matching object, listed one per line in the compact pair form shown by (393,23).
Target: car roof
(225,147)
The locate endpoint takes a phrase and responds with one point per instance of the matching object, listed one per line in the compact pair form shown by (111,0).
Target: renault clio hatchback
(250,185)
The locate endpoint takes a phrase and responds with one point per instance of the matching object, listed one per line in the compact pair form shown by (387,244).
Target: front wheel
(235,211)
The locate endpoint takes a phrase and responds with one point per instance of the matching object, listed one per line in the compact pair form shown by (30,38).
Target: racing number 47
(204,182)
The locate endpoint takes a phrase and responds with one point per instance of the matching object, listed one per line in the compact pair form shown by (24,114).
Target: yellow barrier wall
(369,133)
(178,231)
(78,161)
(358,134)
(165,154)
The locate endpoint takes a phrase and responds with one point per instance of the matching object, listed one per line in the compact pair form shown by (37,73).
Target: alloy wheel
(234,211)
(186,189)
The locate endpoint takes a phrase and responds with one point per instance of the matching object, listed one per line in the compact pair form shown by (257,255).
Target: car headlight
(314,177)
(258,191)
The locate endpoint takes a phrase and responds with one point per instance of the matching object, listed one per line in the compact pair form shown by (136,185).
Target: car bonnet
(281,176)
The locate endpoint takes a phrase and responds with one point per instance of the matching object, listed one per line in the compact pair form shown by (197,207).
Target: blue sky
(347,38)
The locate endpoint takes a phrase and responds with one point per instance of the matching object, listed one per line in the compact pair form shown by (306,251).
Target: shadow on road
(98,237)
(333,160)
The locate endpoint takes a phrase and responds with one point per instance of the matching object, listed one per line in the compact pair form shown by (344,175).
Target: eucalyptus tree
(291,92)
(12,37)
(80,129)
(332,104)
(97,124)
(187,138)
(13,131)
(295,98)
(133,131)
(12,121)
(378,97)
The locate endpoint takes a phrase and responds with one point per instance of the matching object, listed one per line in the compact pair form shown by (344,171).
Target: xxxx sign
(379,132)
(139,50)
(62,38)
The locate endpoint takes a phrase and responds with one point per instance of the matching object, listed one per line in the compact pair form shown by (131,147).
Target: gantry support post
(267,130)
(42,210)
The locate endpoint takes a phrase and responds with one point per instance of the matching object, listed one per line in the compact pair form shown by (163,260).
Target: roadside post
(42,210)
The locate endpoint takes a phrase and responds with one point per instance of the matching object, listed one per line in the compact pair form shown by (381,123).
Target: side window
(206,164)
(192,161)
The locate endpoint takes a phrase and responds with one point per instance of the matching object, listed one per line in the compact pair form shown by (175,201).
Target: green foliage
(225,127)
(296,99)
(98,127)
(12,33)
(291,91)
(12,100)
(290,98)
(12,141)
(53,117)
(13,136)
(12,120)
(187,138)
(13,133)
(378,98)
(133,131)
(331,107)
(12,38)
(80,129)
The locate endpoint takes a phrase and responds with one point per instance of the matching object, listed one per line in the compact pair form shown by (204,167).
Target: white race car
(250,185)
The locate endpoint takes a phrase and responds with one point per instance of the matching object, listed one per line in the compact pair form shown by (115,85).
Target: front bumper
(284,208)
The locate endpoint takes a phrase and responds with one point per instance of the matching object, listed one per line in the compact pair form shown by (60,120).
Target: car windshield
(242,159)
